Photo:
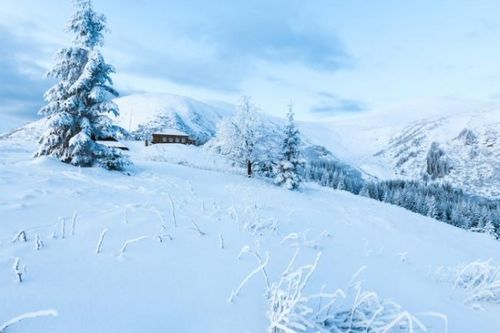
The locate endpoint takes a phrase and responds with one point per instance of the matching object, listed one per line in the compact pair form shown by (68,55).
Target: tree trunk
(249,169)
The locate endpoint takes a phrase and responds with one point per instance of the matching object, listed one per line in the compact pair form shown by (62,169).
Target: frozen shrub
(481,280)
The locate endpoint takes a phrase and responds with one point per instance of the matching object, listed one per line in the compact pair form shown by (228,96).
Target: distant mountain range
(468,145)
(444,142)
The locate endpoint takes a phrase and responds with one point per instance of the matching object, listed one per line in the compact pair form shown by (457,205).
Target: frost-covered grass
(480,281)
(349,310)
(181,240)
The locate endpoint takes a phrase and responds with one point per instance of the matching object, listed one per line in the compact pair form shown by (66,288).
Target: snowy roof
(171,131)
(112,144)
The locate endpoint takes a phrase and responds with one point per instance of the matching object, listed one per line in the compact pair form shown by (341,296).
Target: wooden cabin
(172,136)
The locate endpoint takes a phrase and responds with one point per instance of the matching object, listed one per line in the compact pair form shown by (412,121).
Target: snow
(113,144)
(153,276)
(172,131)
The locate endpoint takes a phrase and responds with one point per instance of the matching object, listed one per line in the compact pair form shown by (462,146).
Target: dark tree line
(440,201)
(334,174)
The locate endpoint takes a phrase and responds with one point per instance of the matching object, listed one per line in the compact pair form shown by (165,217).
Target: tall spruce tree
(79,104)
(290,166)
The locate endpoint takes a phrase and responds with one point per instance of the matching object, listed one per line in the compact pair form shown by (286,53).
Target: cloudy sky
(329,57)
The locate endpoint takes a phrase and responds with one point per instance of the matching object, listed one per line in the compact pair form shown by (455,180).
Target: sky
(328,57)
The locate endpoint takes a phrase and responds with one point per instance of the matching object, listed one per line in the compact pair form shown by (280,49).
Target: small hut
(172,136)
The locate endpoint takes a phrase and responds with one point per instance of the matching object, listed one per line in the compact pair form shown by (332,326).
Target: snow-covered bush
(481,280)
(290,167)
(79,104)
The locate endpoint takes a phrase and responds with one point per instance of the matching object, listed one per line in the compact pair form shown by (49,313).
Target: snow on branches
(247,139)
(289,169)
(78,105)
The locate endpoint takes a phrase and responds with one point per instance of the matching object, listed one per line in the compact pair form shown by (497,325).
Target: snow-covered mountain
(144,114)
(465,140)
(468,145)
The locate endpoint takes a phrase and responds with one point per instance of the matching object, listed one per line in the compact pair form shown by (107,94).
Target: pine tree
(289,168)
(79,104)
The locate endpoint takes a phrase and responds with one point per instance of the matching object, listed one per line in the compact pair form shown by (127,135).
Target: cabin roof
(171,131)
(112,144)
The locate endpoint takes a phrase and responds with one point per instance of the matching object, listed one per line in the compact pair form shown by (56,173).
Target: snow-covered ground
(175,209)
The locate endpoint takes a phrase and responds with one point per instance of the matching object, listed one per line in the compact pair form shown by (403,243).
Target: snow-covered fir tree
(79,104)
(289,168)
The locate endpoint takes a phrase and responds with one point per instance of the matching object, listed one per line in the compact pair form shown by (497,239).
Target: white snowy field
(183,284)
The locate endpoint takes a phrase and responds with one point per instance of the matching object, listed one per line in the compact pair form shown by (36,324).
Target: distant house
(172,136)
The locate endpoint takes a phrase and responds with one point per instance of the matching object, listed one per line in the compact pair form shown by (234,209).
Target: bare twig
(20,236)
(172,206)
(18,270)
(198,229)
(130,241)
(73,223)
(38,243)
(235,293)
(63,227)
(28,315)
(221,241)
(99,242)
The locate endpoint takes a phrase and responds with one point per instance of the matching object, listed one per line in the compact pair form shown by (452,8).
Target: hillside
(144,114)
(187,217)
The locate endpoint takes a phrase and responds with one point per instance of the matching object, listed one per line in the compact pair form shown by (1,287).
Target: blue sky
(328,57)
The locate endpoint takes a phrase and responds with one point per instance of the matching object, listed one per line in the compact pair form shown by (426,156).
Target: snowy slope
(146,113)
(183,284)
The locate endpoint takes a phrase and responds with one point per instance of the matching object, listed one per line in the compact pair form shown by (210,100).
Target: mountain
(447,141)
(143,114)
(468,146)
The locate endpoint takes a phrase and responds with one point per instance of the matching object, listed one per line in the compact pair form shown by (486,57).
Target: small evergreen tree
(289,168)
(79,104)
